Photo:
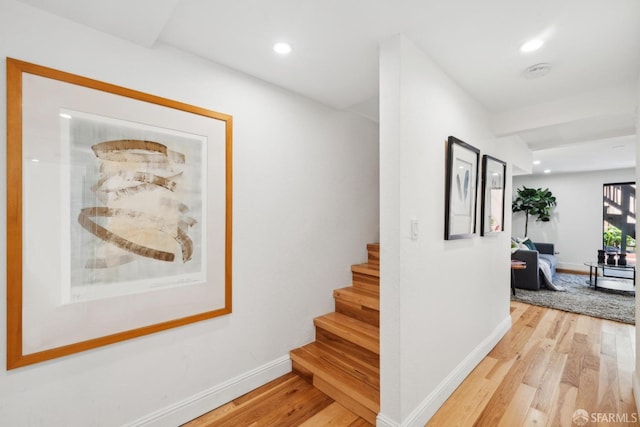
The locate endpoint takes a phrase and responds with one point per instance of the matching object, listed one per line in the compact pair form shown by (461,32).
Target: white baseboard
(200,403)
(423,412)
(383,421)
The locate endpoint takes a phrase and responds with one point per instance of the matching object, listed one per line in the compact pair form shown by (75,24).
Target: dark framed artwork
(493,195)
(118,213)
(461,189)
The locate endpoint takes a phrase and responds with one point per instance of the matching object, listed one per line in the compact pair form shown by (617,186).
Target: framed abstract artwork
(461,189)
(493,195)
(119,211)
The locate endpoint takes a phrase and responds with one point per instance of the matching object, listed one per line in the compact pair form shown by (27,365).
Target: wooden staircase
(344,360)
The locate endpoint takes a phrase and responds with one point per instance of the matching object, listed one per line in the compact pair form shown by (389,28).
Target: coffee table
(626,285)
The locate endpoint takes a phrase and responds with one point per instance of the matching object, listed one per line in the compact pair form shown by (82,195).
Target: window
(619,217)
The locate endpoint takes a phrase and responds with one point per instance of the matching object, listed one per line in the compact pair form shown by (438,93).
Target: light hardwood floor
(550,364)
(547,366)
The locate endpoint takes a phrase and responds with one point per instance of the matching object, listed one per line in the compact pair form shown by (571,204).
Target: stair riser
(365,281)
(374,255)
(357,296)
(308,364)
(299,369)
(357,311)
(346,400)
(339,396)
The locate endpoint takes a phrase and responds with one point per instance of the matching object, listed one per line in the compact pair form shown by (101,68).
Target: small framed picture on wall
(461,189)
(493,194)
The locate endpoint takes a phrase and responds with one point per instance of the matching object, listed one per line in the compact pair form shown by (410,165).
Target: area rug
(581,298)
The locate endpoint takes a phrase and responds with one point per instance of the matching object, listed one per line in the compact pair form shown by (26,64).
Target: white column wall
(305,204)
(444,303)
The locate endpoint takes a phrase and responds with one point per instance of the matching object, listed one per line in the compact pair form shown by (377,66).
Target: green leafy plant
(613,237)
(534,201)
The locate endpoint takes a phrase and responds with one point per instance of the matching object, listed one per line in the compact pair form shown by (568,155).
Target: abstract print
(137,196)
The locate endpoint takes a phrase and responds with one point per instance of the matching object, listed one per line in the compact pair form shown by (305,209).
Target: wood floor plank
(540,363)
(289,406)
(564,406)
(210,418)
(515,339)
(518,407)
(608,344)
(548,390)
(608,385)
(626,366)
(471,398)
(571,373)
(535,418)
(546,324)
(588,389)
(271,387)
(286,401)
(565,334)
(333,415)
(504,393)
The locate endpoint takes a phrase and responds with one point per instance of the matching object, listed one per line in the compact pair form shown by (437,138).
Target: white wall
(576,222)
(305,205)
(518,152)
(444,303)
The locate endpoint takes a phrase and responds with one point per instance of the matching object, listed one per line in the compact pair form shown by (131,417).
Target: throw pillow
(527,243)
(514,245)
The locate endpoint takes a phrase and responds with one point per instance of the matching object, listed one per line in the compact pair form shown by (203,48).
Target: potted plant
(533,201)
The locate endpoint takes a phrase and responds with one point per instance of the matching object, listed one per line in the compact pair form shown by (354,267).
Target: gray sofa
(531,277)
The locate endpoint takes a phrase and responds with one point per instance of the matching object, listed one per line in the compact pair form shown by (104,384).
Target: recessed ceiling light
(282,48)
(65,116)
(34,160)
(531,45)
(547,171)
(536,162)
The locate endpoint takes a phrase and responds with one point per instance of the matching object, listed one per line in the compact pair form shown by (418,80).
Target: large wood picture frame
(119,213)
(461,189)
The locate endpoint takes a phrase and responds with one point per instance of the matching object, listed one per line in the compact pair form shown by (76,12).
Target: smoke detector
(537,70)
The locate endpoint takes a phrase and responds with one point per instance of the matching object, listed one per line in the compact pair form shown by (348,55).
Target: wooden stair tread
(360,333)
(364,297)
(315,361)
(349,362)
(366,268)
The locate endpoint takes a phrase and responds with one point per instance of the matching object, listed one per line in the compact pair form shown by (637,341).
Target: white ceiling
(593,47)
